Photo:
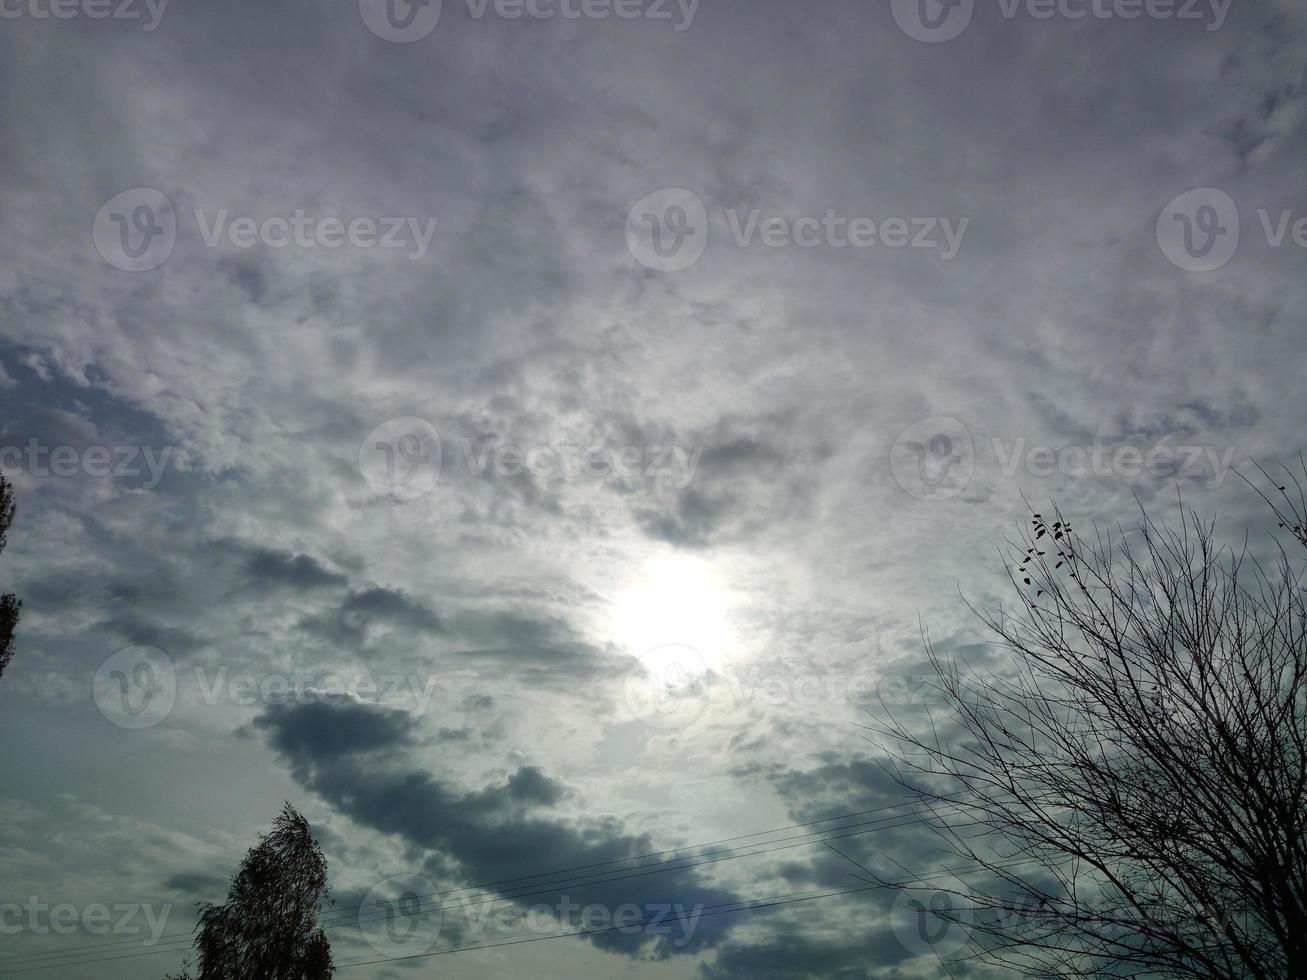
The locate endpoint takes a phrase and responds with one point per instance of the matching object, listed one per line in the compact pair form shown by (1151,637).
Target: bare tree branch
(1147,751)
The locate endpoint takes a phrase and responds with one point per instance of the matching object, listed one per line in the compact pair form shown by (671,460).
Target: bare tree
(1145,754)
(1288,505)
(268,927)
(9,603)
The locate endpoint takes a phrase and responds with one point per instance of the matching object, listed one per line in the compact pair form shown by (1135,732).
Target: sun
(676,600)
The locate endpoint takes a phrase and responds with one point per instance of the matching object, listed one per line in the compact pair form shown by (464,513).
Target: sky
(527,436)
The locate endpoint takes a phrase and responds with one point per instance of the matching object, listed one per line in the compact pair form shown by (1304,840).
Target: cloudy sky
(529,436)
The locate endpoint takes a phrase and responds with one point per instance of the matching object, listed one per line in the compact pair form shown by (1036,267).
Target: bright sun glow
(676,600)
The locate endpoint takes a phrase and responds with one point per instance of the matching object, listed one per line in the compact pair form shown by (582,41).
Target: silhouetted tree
(1146,754)
(268,927)
(9,603)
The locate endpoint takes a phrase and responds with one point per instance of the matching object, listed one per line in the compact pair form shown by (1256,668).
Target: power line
(706,912)
(700,913)
(343,915)
(709,911)
(42,961)
(659,869)
(692,862)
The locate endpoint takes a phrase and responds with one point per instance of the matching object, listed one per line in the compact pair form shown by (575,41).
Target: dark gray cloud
(318,731)
(268,568)
(492,834)
(360,614)
(786,374)
(133,628)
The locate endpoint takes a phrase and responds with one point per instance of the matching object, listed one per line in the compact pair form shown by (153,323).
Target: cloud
(789,371)
(362,615)
(269,568)
(792,954)
(317,731)
(199,885)
(493,833)
(136,629)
